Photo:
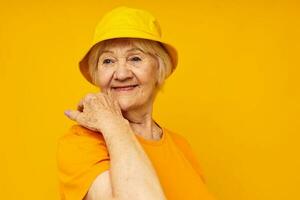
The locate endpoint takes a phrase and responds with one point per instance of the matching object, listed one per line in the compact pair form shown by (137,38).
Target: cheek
(148,84)
(148,75)
(103,78)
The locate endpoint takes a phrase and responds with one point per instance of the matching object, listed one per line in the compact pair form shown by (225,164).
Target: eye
(107,61)
(135,58)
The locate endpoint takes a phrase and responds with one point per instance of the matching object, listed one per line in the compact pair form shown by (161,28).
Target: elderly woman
(116,151)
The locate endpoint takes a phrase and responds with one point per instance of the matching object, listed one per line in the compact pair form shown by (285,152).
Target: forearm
(132,174)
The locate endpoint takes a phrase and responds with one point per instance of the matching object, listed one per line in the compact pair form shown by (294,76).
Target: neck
(142,123)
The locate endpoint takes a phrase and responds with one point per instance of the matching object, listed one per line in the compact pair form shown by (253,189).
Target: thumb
(72,114)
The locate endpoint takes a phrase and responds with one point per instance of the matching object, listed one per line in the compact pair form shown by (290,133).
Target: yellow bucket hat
(125,22)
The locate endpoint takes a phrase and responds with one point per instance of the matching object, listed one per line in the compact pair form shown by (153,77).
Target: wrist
(116,126)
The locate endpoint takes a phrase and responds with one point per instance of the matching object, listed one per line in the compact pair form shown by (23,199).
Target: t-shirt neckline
(153,142)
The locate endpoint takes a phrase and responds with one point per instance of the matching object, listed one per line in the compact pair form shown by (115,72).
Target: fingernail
(67,112)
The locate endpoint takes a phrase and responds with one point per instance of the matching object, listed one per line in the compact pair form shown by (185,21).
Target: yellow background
(235,94)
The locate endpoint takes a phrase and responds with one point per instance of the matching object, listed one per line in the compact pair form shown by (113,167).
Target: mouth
(124,88)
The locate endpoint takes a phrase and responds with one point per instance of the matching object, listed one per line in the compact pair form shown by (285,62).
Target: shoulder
(77,130)
(180,141)
(81,136)
(78,145)
(177,138)
(81,156)
(188,151)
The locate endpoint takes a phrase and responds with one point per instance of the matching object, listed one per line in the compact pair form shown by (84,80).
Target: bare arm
(131,175)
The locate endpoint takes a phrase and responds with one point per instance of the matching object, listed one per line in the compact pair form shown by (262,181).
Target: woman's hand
(98,112)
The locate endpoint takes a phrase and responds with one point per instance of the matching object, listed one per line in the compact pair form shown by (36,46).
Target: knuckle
(102,95)
(89,96)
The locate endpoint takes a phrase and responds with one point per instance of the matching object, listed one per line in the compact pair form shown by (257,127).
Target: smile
(124,88)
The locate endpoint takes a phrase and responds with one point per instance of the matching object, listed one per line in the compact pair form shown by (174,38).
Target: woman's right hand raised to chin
(98,112)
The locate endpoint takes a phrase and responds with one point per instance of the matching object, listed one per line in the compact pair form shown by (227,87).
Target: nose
(122,72)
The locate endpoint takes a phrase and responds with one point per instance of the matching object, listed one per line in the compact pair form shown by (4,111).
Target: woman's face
(129,73)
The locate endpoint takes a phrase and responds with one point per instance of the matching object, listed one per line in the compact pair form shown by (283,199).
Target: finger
(112,94)
(89,102)
(117,107)
(115,103)
(73,114)
(89,98)
(103,99)
(112,102)
(110,97)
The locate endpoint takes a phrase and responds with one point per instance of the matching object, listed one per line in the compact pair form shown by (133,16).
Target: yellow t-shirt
(82,156)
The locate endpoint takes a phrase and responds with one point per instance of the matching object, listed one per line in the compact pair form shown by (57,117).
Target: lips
(124,88)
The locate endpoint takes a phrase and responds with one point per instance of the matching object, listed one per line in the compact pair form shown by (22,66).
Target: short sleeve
(189,153)
(81,156)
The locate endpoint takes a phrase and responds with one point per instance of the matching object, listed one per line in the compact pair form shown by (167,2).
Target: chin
(127,104)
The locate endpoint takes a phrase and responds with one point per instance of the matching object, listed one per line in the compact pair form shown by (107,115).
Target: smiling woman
(117,151)
(142,47)
(133,69)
